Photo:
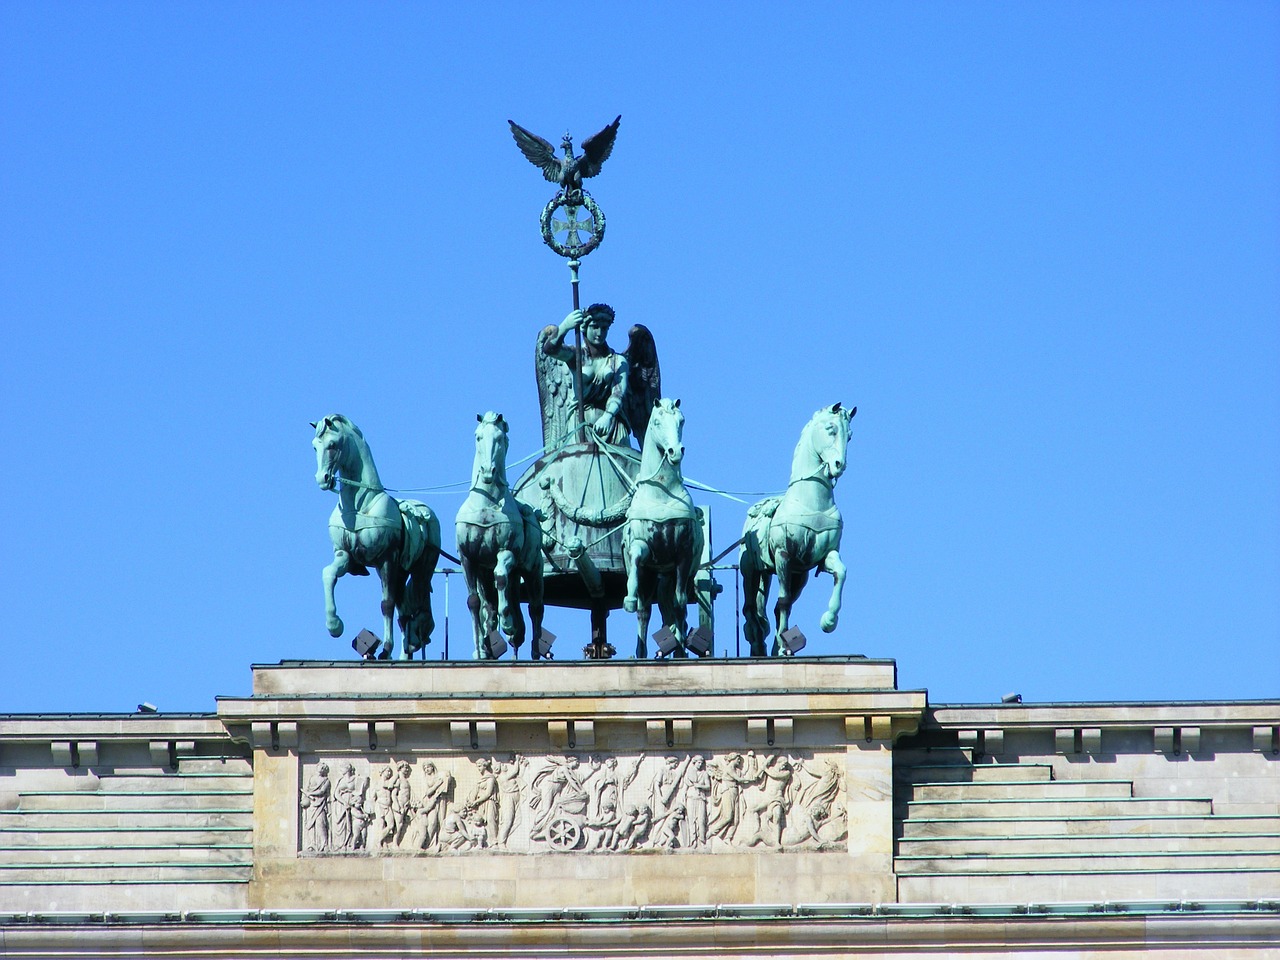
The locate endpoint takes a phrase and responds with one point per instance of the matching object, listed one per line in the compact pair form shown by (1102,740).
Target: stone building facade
(747,808)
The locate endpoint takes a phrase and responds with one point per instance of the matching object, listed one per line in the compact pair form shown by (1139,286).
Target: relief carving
(687,802)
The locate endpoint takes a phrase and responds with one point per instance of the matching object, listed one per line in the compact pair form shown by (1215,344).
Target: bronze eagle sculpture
(568,171)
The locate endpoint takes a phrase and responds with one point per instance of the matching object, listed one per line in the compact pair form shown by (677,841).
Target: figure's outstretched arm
(555,347)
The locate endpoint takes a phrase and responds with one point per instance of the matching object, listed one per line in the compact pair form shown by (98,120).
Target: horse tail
(531,556)
(420,552)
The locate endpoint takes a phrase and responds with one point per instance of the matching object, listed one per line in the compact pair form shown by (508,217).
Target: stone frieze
(572,803)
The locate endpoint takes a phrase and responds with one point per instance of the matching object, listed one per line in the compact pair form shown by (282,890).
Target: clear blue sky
(1038,246)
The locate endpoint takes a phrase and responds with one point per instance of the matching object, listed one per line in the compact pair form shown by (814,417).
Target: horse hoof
(629,604)
(828,622)
(335,626)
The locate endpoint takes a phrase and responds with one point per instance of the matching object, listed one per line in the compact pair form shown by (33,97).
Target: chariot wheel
(563,834)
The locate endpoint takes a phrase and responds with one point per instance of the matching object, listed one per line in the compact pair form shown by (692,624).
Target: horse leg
(392,579)
(533,586)
(755,593)
(512,594)
(475,605)
(489,609)
(782,606)
(631,548)
(673,618)
(834,566)
(330,575)
(416,619)
(644,610)
(502,582)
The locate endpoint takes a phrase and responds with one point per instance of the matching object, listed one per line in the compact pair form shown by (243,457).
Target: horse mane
(345,421)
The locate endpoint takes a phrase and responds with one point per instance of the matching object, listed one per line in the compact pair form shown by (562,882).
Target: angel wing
(596,149)
(541,153)
(555,391)
(644,379)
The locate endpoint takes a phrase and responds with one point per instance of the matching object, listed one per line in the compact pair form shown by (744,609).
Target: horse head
(332,449)
(666,429)
(491,449)
(828,439)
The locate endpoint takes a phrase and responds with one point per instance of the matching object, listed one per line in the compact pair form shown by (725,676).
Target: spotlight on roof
(1011,698)
(794,639)
(700,642)
(542,646)
(495,645)
(666,641)
(145,707)
(366,644)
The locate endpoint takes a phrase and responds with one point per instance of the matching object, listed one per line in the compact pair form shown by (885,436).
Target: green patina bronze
(370,528)
(791,535)
(603,519)
(662,541)
(500,545)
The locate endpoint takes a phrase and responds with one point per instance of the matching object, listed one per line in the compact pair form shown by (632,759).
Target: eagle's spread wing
(538,151)
(555,392)
(596,149)
(644,379)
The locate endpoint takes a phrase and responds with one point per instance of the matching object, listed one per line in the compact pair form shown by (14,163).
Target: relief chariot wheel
(564,834)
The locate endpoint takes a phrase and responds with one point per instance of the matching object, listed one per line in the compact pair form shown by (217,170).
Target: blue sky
(1038,246)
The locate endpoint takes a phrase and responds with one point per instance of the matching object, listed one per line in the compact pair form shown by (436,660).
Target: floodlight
(793,639)
(1011,698)
(700,642)
(145,707)
(366,644)
(495,645)
(666,641)
(542,645)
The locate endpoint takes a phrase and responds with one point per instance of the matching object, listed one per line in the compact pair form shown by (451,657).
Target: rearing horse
(500,544)
(662,540)
(369,528)
(792,534)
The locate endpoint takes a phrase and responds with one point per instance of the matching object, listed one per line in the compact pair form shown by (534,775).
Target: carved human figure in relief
(671,828)
(817,812)
(315,805)
(559,789)
(344,804)
(462,831)
(697,797)
(606,809)
(666,785)
(766,804)
(402,799)
(509,788)
(636,825)
(729,775)
(384,817)
(618,389)
(483,798)
(436,785)
(361,815)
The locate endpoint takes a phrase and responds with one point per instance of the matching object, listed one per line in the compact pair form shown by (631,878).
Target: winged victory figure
(568,171)
(619,389)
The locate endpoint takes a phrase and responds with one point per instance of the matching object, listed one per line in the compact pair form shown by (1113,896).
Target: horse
(797,532)
(370,528)
(500,544)
(662,538)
